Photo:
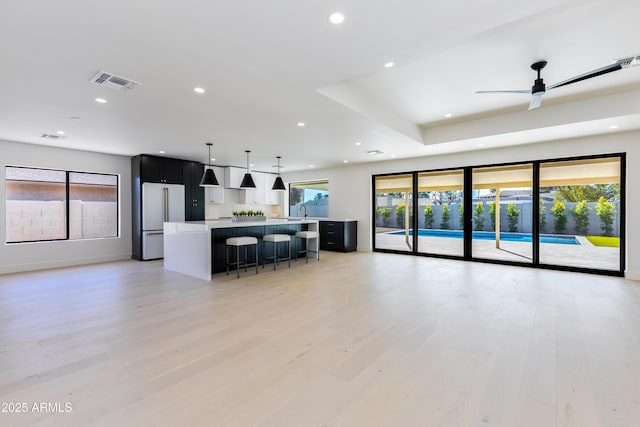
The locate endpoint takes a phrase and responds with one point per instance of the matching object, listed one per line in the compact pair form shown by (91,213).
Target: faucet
(305,209)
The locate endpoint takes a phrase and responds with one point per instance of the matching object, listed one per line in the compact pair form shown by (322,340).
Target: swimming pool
(488,235)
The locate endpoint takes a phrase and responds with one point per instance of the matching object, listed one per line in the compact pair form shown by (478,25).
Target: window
(45,204)
(310,198)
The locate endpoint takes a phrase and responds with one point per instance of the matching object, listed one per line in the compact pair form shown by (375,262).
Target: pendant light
(278,184)
(247,181)
(209,177)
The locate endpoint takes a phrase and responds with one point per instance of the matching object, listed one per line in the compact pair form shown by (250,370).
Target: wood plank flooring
(358,339)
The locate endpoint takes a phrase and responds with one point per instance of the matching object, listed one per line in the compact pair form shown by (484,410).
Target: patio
(584,255)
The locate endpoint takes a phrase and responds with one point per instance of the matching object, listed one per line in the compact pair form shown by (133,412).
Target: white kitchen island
(195,248)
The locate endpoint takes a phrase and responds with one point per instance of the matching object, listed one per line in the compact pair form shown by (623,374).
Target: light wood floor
(356,339)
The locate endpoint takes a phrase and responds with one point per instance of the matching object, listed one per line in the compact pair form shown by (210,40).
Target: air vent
(631,61)
(106,79)
(374,152)
(51,136)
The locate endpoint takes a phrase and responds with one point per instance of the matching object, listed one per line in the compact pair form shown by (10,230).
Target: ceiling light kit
(278,185)
(336,18)
(539,88)
(247,180)
(209,177)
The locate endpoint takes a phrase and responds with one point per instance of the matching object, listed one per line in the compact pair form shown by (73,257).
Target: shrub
(478,217)
(461,217)
(580,214)
(512,217)
(543,217)
(606,211)
(446,217)
(400,216)
(559,217)
(492,214)
(385,213)
(428,216)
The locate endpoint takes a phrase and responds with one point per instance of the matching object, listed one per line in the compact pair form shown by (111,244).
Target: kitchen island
(197,248)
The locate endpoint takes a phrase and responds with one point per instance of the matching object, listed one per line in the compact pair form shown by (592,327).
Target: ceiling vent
(106,79)
(631,61)
(51,136)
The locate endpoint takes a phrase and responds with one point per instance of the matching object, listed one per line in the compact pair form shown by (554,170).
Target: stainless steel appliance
(160,203)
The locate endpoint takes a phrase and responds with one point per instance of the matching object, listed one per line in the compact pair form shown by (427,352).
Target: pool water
(488,235)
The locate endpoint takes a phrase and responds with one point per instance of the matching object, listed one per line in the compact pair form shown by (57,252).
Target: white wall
(350,186)
(37,255)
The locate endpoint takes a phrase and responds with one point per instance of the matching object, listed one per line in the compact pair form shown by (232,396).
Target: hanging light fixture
(209,177)
(278,184)
(247,181)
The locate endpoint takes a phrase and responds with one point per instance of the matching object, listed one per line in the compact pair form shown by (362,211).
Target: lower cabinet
(339,236)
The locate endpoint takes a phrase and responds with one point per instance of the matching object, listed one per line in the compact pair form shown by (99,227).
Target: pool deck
(584,255)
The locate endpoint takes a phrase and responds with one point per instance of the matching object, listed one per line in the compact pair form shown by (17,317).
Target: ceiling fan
(538,89)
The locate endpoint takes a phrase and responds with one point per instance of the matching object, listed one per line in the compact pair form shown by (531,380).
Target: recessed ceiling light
(481,145)
(301,124)
(198,90)
(161,151)
(393,155)
(346,161)
(60,132)
(448,115)
(336,18)
(389,65)
(358,143)
(310,166)
(213,160)
(101,100)
(374,152)
(251,165)
(74,118)
(614,127)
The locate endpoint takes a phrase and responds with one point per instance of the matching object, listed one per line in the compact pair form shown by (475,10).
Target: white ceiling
(268,65)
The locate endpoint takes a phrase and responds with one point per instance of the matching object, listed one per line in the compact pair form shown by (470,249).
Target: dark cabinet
(160,169)
(193,194)
(340,236)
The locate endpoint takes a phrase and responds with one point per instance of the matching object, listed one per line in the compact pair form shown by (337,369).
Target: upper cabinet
(216,194)
(194,194)
(255,195)
(160,169)
(271,197)
(233,177)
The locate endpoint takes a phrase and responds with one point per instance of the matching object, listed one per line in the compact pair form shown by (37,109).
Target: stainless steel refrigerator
(160,203)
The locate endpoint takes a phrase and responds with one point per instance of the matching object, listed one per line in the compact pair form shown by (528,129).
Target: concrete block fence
(45,220)
(524,219)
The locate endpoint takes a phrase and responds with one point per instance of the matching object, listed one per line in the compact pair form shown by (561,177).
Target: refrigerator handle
(165,199)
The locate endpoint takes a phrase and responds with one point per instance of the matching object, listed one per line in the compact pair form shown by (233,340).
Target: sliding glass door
(502,213)
(394,212)
(580,213)
(441,212)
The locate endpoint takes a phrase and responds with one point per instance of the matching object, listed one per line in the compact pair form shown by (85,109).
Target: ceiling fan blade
(589,74)
(504,91)
(536,101)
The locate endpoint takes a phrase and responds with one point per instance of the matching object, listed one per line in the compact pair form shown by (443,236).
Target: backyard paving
(584,255)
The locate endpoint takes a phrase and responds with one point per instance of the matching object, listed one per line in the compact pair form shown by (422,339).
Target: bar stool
(306,236)
(236,242)
(275,239)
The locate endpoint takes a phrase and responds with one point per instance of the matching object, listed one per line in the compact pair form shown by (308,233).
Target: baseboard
(632,275)
(363,249)
(63,263)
